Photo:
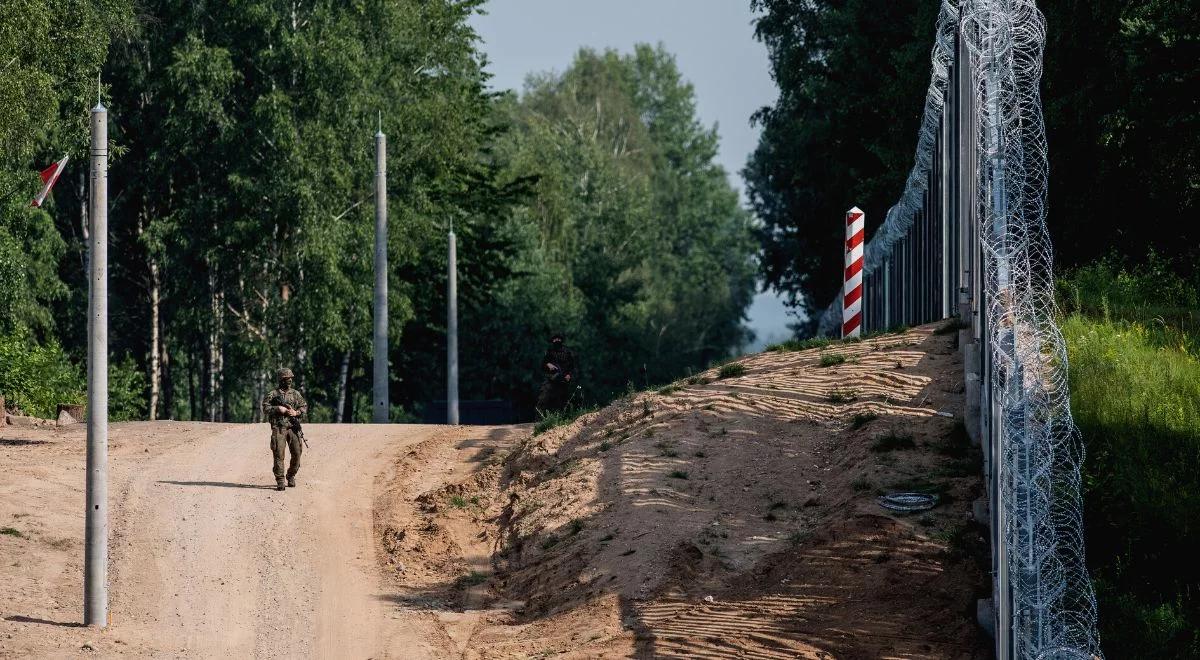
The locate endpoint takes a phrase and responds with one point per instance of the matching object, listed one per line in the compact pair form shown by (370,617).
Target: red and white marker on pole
(852,294)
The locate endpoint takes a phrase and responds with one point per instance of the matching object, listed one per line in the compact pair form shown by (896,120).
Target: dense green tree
(50,54)
(636,244)
(851,77)
(1120,95)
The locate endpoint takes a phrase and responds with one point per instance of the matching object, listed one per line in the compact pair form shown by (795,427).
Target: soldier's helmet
(558,336)
(283,373)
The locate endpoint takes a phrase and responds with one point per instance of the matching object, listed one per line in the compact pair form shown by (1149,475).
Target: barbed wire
(1053,613)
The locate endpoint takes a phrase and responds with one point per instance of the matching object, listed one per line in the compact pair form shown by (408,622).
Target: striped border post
(852,294)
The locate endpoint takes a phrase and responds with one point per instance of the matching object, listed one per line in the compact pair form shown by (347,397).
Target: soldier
(559,367)
(284,408)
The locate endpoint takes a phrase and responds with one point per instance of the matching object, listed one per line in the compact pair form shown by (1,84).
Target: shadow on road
(220,484)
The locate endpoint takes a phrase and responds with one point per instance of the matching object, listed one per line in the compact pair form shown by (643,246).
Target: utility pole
(95,565)
(452,332)
(380,344)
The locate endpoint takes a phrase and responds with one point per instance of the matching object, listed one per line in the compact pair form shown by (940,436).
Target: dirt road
(207,559)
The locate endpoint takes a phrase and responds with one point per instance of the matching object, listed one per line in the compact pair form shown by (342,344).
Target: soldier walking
(559,367)
(284,408)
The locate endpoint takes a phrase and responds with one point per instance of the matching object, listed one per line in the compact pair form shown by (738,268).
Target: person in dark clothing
(558,365)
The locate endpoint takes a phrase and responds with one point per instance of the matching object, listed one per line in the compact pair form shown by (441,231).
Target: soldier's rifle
(299,427)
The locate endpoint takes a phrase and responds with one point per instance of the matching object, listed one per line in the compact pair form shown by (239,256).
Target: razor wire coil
(1037,479)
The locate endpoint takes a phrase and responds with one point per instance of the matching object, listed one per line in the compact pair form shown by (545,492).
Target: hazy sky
(712,40)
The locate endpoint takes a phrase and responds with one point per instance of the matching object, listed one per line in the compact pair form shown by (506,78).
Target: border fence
(968,238)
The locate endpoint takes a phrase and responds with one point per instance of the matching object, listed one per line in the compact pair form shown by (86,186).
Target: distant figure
(284,408)
(559,367)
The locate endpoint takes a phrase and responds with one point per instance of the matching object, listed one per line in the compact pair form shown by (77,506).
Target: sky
(714,45)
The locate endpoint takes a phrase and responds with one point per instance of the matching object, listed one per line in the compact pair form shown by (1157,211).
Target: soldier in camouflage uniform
(559,367)
(284,408)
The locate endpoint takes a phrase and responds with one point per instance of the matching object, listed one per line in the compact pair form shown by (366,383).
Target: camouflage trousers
(282,440)
(553,396)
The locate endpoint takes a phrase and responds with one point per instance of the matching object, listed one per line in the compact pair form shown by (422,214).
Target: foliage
(731,370)
(841,133)
(634,243)
(832,359)
(50,52)
(556,418)
(1120,92)
(126,391)
(1135,395)
(36,378)
(1152,294)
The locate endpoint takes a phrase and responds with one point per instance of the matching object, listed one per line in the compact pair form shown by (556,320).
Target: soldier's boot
(291,482)
(279,485)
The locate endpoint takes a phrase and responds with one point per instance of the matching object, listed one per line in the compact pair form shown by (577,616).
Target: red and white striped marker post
(852,294)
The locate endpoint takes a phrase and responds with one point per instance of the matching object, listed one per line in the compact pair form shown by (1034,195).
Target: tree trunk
(155,356)
(168,383)
(191,375)
(342,377)
(211,357)
(83,224)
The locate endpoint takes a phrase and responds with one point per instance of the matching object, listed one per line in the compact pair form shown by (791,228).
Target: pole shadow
(218,484)
(18,618)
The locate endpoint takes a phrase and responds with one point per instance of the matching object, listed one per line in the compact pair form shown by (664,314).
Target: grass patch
(559,418)
(860,420)
(891,442)
(9,531)
(700,454)
(549,542)
(458,501)
(800,344)
(861,485)
(1135,395)
(669,390)
(604,446)
(678,474)
(732,370)
(832,359)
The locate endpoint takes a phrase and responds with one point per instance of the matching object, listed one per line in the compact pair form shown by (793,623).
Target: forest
(241,220)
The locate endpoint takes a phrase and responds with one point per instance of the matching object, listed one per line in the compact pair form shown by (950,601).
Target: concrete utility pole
(452,333)
(380,344)
(95,564)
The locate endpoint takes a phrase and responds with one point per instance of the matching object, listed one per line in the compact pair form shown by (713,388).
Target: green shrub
(126,391)
(731,370)
(559,418)
(37,377)
(801,344)
(831,359)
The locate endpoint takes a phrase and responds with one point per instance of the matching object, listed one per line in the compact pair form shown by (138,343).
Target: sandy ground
(717,518)
(207,559)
